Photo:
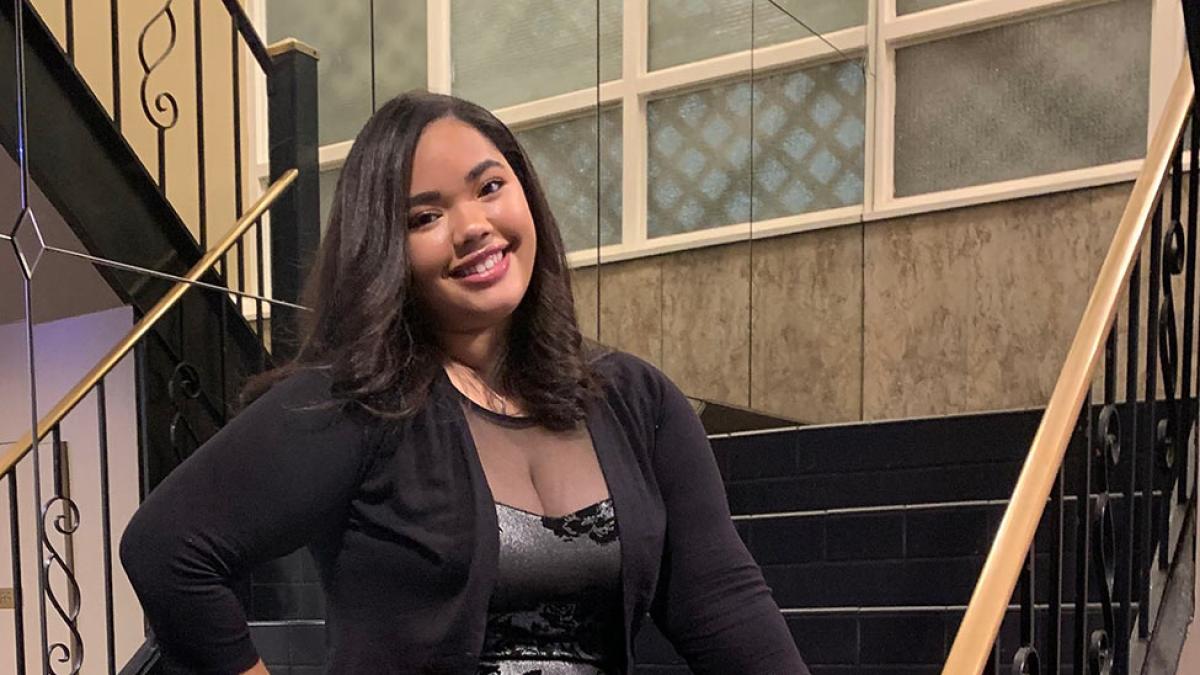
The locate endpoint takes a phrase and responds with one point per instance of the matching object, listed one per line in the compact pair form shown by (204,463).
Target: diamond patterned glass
(1023,99)
(341,33)
(809,127)
(912,6)
(564,155)
(515,51)
(725,25)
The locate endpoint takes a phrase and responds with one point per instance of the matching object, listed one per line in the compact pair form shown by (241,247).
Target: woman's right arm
(266,484)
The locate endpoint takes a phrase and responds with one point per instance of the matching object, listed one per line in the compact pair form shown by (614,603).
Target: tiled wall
(954,311)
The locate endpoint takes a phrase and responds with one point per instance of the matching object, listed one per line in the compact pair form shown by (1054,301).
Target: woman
(480,494)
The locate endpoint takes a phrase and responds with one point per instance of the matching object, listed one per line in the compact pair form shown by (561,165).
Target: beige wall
(954,311)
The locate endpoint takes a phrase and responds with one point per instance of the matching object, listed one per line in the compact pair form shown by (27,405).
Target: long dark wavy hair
(367,326)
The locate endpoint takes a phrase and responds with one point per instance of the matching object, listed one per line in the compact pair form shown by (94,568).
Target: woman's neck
(478,351)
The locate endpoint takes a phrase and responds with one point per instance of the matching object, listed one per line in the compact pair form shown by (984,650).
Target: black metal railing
(162,110)
(168,423)
(1091,576)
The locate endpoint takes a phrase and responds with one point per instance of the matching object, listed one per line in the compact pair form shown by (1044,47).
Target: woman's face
(471,237)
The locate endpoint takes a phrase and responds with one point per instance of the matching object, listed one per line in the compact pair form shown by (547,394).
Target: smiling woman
(483,492)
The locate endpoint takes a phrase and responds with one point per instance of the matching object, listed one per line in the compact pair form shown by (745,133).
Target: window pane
(522,50)
(1023,99)
(401,57)
(910,6)
(328,179)
(338,30)
(564,155)
(808,152)
(725,25)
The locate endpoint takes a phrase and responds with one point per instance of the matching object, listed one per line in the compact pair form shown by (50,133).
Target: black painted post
(295,217)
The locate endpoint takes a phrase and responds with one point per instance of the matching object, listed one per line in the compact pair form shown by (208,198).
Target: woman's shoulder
(636,382)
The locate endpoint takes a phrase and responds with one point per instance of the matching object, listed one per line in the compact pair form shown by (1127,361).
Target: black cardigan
(400,520)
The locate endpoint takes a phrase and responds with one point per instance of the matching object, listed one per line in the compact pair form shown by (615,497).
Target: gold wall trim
(981,623)
(68,402)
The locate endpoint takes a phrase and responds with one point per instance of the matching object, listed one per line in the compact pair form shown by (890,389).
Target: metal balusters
(1083,534)
(14,531)
(1189,306)
(1026,658)
(106,526)
(1053,652)
(66,523)
(201,178)
(234,43)
(164,102)
(260,288)
(69,10)
(1104,457)
(1125,578)
(1146,462)
(115,20)
(1173,263)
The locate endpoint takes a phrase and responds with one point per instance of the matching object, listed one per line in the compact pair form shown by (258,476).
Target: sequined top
(556,607)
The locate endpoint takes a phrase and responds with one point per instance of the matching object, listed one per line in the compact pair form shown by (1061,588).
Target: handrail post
(295,218)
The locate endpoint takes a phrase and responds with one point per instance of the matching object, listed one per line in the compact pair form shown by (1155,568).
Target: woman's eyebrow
(433,196)
(475,173)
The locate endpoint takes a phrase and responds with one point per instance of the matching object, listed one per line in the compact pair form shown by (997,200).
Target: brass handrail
(68,402)
(980,624)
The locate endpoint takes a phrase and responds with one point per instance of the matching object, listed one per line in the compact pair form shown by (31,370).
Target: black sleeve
(712,601)
(272,479)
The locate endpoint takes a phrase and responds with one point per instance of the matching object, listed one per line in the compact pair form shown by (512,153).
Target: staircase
(872,536)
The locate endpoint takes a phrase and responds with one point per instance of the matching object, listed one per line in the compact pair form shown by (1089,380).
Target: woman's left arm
(712,601)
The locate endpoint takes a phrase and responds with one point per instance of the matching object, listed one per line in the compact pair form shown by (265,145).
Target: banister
(76,394)
(253,40)
(981,622)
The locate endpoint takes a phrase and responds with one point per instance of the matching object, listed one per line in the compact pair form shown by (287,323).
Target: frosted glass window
(912,6)
(809,127)
(1050,94)
(515,51)
(328,184)
(564,155)
(682,31)
(401,57)
(341,33)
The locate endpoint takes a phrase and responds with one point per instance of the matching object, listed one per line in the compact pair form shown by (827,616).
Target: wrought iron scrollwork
(164,102)
(1104,457)
(65,522)
(1025,662)
(1173,262)
(184,386)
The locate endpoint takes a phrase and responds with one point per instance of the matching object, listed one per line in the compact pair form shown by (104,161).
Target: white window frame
(883,33)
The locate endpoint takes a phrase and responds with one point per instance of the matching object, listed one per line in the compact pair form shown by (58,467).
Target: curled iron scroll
(1104,539)
(66,522)
(164,102)
(1025,662)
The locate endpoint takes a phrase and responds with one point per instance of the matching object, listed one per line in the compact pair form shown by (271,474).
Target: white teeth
(486,265)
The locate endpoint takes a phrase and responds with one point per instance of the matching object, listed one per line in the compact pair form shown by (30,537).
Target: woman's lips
(482,275)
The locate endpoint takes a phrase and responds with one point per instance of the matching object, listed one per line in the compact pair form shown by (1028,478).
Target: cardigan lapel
(641,519)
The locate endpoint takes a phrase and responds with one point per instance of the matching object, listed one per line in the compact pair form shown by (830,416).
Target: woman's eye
(491,186)
(423,219)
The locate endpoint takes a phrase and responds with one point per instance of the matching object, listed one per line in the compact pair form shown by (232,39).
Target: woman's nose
(471,225)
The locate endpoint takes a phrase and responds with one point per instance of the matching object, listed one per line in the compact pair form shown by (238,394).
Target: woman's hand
(259,668)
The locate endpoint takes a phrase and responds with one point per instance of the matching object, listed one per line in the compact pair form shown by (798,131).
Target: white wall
(64,351)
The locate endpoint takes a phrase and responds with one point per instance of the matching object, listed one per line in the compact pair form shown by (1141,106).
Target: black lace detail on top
(556,609)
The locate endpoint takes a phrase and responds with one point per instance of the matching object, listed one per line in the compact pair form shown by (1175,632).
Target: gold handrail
(68,402)
(973,643)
